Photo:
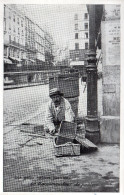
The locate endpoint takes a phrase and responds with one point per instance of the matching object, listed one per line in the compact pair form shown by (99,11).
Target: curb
(22,86)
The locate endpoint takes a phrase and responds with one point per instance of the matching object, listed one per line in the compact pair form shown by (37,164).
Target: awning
(24,58)
(74,63)
(15,59)
(31,60)
(7,61)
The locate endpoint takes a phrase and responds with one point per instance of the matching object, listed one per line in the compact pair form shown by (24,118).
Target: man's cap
(55,91)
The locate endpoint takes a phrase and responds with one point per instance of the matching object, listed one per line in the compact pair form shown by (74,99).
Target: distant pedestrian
(58,110)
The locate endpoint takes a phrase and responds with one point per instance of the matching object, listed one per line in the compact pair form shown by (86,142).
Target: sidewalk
(8,87)
(34,168)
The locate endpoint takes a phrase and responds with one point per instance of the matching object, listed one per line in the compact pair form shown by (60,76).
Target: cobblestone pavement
(34,167)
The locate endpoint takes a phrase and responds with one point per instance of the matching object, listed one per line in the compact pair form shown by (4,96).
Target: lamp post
(92,124)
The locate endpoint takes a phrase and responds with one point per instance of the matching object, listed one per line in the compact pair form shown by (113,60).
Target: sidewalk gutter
(22,86)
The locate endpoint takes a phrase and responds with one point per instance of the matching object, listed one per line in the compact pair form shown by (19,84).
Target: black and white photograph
(61,96)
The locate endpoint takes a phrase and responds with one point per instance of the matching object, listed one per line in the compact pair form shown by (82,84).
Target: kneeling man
(58,109)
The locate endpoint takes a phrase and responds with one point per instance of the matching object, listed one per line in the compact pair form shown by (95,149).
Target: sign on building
(112,12)
(111,42)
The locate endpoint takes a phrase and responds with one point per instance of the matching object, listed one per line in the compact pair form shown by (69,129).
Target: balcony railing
(14,43)
(30,47)
(6,42)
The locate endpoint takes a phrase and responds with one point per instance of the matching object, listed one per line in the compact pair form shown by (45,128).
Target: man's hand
(52,132)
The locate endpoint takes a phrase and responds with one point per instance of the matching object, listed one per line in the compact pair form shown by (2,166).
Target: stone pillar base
(110,129)
(92,129)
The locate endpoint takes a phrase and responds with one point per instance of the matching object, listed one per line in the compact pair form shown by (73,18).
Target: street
(20,104)
(24,103)
(32,166)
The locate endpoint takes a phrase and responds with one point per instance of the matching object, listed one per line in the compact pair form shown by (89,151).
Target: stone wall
(110,120)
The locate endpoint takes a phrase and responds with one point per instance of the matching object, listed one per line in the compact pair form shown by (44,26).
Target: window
(4,24)
(4,11)
(86,16)
(9,26)
(10,38)
(14,39)
(76,26)
(21,23)
(18,31)
(22,32)
(5,51)
(76,35)
(13,28)
(12,53)
(8,51)
(76,46)
(86,35)
(9,15)
(17,53)
(14,18)
(76,16)
(86,45)
(77,55)
(18,20)
(21,55)
(86,26)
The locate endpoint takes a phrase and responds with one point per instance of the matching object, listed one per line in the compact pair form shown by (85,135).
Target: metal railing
(27,78)
(17,44)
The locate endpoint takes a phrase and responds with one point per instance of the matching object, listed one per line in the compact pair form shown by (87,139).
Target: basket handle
(68,143)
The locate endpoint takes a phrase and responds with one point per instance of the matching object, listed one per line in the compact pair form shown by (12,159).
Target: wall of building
(24,39)
(110,32)
(81,43)
(48,48)
(39,44)
(14,33)
(30,40)
(79,38)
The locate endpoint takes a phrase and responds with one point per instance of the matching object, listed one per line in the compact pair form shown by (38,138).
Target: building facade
(14,35)
(25,42)
(39,45)
(48,48)
(62,56)
(30,41)
(79,41)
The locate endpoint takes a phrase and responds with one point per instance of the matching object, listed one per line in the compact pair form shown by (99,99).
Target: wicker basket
(63,140)
(68,129)
(68,149)
(67,83)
